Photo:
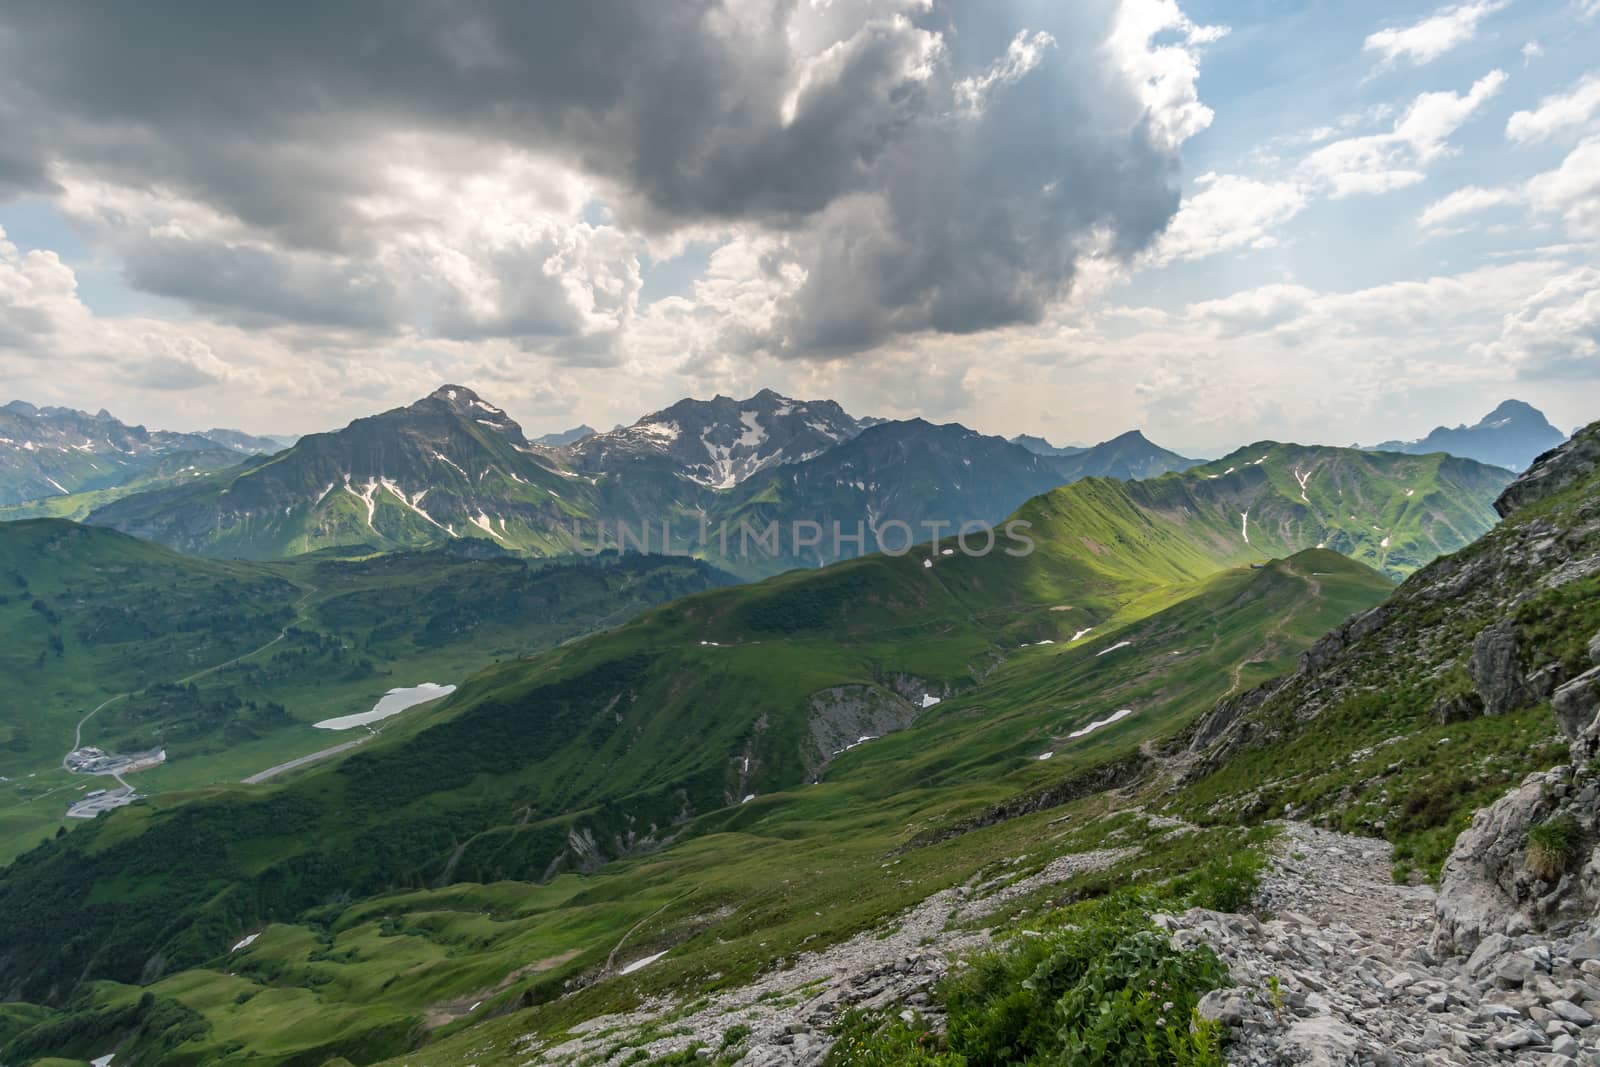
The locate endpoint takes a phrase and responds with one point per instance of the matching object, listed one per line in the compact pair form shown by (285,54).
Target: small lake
(392,703)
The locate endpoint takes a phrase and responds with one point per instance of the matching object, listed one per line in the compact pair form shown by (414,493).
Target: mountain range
(56,461)
(565,437)
(454,466)
(720,442)
(55,451)
(672,807)
(1040,447)
(1510,436)
(617,744)
(248,443)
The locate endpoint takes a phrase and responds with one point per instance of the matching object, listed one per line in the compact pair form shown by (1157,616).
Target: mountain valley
(661,812)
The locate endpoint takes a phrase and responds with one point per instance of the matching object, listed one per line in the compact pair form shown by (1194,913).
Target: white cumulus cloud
(1467,201)
(1572,190)
(1378,163)
(1559,114)
(1229,212)
(1439,33)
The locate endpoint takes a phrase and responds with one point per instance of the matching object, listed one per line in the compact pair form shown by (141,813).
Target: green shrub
(1552,846)
(1112,991)
(864,1039)
(1227,883)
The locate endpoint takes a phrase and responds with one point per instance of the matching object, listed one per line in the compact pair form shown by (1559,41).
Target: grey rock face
(1577,703)
(1486,888)
(1496,669)
(848,715)
(1483,882)
(1551,472)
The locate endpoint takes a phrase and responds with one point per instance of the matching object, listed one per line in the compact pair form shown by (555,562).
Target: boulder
(1483,882)
(1323,1041)
(1458,707)
(1227,1007)
(1577,703)
(1546,680)
(1496,669)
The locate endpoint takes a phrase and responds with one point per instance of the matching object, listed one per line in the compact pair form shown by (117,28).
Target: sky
(1217,221)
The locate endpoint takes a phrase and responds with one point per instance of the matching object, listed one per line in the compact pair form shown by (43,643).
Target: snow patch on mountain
(481,521)
(367,494)
(1116,716)
(441,457)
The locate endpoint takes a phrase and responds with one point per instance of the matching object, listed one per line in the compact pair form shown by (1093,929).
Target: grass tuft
(1552,846)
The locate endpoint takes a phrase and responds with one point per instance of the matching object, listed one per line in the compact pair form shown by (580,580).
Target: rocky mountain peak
(1509,436)
(722,441)
(456,397)
(1553,471)
(1511,409)
(463,403)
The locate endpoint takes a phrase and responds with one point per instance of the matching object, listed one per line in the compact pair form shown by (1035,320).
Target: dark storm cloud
(293,288)
(906,209)
(979,220)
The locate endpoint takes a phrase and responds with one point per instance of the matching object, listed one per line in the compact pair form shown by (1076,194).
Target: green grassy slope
(359,979)
(226,665)
(161,472)
(87,613)
(1369,733)
(1384,732)
(651,787)
(616,745)
(1392,512)
(1173,631)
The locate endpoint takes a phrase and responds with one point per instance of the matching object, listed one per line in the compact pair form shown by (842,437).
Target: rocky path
(1341,973)
(785,1014)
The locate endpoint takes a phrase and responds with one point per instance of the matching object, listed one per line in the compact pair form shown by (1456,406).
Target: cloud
(174,363)
(1254,310)
(1023,54)
(493,171)
(38,297)
(1558,115)
(1572,190)
(1403,311)
(1290,361)
(1379,163)
(1229,212)
(1467,201)
(1555,332)
(1165,75)
(982,220)
(1445,30)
